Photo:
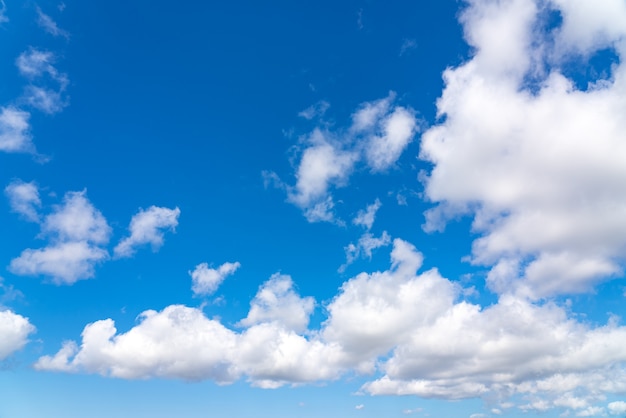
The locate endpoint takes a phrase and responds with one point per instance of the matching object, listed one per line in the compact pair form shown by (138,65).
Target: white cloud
(315,110)
(384,149)
(24,199)
(617,408)
(45,100)
(206,280)
(15,130)
(276,301)
(146,227)
(14,332)
(77,220)
(411,330)
(364,247)
(65,262)
(367,217)
(49,25)
(539,168)
(592,411)
(34,64)
(377,136)
(76,230)
(359,407)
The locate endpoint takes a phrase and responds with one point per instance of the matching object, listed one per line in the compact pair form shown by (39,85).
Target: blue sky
(360,209)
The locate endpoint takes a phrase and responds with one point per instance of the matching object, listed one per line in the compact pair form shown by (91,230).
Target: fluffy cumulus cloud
(15,133)
(77,232)
(24,199)
(147,227)
(181,342)
(377,136)
(206,280)
(277,301)
(412,330)
(533,153)
(14,332)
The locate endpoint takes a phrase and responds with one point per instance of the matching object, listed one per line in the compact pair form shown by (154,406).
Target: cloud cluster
(35,64)
(377,136)
(77,232)
(412,329)
(536,160)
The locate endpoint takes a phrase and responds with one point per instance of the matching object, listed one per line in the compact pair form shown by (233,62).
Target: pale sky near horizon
(277,209)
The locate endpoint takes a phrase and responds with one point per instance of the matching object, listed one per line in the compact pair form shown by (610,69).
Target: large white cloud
(146,227)
(14,332)
(413,330)
(277,301)
(76,231)
(539,167)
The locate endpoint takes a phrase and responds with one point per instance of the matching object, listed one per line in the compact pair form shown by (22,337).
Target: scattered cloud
(315,110)
(14,332)
(146,227)
(407,46)
(44,100)
(49,25)
(366,217)
(206,280)
(24,199)
(15,133)
(378,134)
(359,407)
(364,247)
(76,232)
(533,158)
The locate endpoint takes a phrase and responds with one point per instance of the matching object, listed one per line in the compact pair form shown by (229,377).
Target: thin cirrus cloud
(377,136)
(49,25)
(206,280)
(77,233)
(412,331)
(147,228)
(540,168)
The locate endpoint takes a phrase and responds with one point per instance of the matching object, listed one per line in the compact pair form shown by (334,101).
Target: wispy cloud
(3,10)
(49,25)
